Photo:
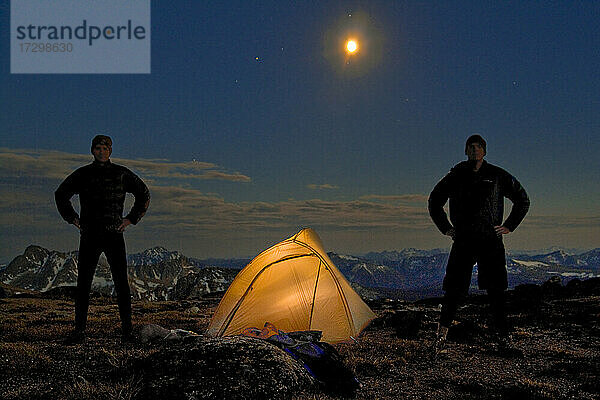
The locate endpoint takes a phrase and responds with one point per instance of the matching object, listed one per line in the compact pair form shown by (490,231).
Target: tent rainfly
(296,287)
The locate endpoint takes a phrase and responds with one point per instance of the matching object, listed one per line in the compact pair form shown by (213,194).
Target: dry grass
(549,362)
(81,389)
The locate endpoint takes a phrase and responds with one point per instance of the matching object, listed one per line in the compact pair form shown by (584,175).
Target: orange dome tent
(295,286)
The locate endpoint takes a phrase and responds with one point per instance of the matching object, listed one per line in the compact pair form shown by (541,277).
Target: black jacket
(101,188)
(477,200)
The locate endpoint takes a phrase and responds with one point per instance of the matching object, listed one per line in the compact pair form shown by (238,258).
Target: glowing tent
(295,286)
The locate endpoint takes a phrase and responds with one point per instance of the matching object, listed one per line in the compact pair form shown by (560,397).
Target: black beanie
(476,139)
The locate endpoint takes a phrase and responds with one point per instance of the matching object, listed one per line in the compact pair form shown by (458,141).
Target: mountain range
(416,273)
(154,274)
(160,274)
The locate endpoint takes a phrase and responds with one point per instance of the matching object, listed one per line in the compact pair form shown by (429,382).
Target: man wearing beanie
(101,187)
(476,192)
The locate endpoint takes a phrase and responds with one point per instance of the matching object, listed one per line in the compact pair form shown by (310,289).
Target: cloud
(184,207)
(406,198)
(206,224)
(562,222)
(182,170)
(30,164)
(324,186)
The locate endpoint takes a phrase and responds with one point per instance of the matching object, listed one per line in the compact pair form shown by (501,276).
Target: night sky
(255,122)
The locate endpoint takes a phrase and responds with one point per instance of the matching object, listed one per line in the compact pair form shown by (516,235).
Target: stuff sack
(320,359)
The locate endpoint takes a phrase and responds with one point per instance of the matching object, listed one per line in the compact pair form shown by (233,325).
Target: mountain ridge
(160,274)
(154,274)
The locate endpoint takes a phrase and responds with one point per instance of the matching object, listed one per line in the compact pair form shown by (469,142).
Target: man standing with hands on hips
(476,191)
(101,187)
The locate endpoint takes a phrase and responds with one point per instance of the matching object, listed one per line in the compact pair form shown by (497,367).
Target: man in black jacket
(476,191)
(101,187)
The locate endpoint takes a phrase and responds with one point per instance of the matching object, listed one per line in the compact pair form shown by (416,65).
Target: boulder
(222,368)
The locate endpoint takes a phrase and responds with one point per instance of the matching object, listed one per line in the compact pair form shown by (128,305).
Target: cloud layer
(204,224)
(183,207)
(57,165)
(324,186)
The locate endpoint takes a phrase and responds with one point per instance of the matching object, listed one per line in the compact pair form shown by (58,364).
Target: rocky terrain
(554,352)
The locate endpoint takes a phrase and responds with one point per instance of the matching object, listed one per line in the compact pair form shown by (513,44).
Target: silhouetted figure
(476,191)
(101,187)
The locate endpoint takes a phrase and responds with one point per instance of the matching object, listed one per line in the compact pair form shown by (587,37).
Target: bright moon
(351,46)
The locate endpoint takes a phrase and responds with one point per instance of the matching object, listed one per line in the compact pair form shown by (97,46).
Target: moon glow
(351,46)
(354,45)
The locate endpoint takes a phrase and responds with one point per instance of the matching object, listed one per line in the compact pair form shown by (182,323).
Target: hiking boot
(76,337)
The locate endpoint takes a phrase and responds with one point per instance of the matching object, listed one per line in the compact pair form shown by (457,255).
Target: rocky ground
(554,352)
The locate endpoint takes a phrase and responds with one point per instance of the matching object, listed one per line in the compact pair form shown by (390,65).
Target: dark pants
(91,245)
(490,257)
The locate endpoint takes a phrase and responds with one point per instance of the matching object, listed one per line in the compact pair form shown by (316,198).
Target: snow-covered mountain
(408,273)
(160,274)
(587,260)
(40,269)
(394,255)
(154,274)
(592,258)
(152,256)
(417,273)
